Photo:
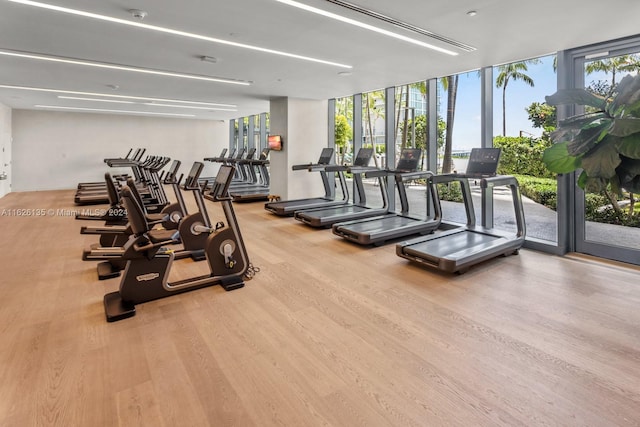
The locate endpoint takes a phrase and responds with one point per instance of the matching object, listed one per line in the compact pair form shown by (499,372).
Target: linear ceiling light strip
(152,104)
(57,107)
(365,26)
(73,61)
(402,24)
(111,95)
(95,99)
(172,31)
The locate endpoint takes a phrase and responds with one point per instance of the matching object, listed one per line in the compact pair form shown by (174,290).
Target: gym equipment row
(143,246)
(447,246)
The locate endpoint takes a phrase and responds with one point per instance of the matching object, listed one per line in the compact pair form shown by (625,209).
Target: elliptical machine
(149,263)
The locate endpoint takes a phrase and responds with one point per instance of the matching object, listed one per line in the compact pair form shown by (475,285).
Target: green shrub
(593,203)
(450,192)
(522,156)
(597,208)
(541,190)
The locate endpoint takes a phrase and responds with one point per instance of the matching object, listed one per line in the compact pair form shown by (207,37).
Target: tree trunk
(398,113)
(452,89)
(370,128)
(613,200)
(504,108)
(405,131)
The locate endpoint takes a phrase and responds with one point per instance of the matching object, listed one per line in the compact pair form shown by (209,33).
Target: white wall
(5,150)
(278,161)
(303,123)
(56,150)
(308,135)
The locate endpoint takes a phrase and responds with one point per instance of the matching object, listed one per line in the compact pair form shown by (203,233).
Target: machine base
(116,309)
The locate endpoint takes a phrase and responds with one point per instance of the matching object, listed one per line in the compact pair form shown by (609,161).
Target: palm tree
(628,63)
(450,84)
(372,113)
(515,72)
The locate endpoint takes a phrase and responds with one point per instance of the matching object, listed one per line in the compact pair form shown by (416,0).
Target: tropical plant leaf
(558,160)
(582,180)
(632,185)
(629,146)
(628,174)
(615,185)
(627,96)
(630,167)
(588,137)
(594,185)
(581,120)
(625,127)
(602,161)
(576,96)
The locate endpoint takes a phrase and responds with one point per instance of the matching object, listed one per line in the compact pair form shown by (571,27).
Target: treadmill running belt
(450,246)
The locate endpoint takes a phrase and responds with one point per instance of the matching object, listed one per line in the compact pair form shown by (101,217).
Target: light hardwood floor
(327,334)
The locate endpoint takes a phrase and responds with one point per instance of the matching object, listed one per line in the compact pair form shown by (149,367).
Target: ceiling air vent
(401,24)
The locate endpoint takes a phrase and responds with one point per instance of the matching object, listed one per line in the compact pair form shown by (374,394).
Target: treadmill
(458,248)
(377,230)
(326,217)
(258,188)
(289,207)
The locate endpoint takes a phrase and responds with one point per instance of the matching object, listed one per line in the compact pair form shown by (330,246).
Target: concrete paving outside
(541,222)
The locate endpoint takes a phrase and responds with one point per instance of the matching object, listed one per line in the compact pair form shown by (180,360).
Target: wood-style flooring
(326,334)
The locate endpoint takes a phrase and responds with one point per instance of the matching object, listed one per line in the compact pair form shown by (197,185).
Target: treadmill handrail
(518,207)
(361,169)
(412,175)
(498,180)
(309,167)
(335,168)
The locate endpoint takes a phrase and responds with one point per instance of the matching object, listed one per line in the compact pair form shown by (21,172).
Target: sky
(519,96)
(466,133)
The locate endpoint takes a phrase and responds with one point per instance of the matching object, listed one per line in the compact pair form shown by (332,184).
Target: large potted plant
(604,141)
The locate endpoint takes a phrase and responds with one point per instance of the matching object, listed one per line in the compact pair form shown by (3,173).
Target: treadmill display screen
(364,157)
(325,156)
(223,179)
(483,161)
(409,159)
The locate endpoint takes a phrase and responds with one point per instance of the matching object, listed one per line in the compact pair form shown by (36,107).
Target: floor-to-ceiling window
(607,223)
(373,124)
(344,127)
(410,120)
(459,104)
(522,126)
(512,115)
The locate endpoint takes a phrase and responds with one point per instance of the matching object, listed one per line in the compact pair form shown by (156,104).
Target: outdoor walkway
(541,222)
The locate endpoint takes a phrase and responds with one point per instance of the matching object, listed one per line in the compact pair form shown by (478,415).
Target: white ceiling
(502,31)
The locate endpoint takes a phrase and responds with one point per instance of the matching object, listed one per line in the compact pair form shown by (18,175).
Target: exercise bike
(148,263)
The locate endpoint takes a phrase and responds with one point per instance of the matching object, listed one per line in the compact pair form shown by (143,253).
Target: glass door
(607,222)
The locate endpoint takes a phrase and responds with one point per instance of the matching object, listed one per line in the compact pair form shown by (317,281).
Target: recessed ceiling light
(113,87)
(472,13)
(345,73)
(364,25)
(211,59)
(110,95)
(172,31)
(73,61)
(57,107)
